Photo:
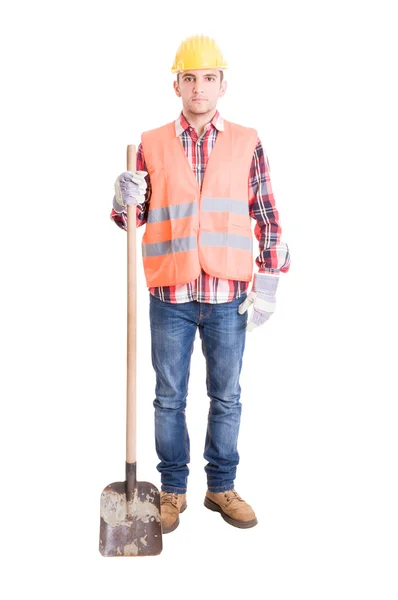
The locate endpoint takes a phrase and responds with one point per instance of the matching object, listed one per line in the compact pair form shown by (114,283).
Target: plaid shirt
(274,254)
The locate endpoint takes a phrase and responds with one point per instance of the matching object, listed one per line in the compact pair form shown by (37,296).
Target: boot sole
(240,524)
(176,523)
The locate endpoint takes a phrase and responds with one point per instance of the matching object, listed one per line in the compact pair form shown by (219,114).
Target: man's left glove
(262,296)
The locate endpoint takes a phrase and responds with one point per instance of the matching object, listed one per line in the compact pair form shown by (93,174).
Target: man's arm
(120,216)
(274,254)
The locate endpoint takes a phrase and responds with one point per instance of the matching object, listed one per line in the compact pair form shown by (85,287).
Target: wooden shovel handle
(131,422)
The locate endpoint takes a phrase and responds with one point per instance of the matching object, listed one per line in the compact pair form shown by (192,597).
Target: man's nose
(197,88)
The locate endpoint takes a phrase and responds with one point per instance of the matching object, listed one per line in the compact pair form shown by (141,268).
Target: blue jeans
(223,333)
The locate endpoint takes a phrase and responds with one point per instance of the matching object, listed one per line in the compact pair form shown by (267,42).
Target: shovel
(130,510)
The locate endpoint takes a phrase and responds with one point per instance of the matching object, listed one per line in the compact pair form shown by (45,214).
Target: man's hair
(221,76)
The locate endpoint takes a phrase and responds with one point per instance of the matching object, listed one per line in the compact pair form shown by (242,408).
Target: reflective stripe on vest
(212,238)
(177,245)
(189,229)
(179,211)
(224,205)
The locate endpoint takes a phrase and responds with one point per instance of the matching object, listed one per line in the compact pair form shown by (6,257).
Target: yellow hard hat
(198,52)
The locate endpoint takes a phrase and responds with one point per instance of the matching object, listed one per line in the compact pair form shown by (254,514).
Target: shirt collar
(181,124)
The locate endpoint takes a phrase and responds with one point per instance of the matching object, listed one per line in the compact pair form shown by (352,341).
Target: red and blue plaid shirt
(274,254)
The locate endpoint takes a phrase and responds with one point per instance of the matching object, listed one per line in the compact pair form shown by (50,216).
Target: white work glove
(130,189)
(262,296)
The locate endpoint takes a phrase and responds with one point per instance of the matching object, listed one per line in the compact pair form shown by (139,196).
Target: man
(198,182)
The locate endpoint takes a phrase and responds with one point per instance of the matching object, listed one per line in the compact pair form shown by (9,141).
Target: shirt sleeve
(274,254)
(120,218)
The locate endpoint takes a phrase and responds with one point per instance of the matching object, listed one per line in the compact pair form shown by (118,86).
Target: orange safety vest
(188,228)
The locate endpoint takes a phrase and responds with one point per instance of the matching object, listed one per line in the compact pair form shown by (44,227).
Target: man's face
(200,90)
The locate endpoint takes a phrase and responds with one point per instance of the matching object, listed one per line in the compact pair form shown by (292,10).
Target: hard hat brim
(216,67)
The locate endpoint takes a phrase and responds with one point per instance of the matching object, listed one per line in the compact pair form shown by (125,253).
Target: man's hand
(130,189)
(262,296)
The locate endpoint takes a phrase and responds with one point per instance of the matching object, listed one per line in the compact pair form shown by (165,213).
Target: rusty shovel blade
(130,522)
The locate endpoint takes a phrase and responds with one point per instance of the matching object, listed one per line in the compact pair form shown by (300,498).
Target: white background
(318,443)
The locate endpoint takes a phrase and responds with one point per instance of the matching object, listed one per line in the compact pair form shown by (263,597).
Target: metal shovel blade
(130,522)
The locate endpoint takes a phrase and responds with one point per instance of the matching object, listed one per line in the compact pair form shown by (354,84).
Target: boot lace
(169,497)
(232,495)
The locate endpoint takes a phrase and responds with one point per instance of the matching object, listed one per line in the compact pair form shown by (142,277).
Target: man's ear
(223,88)
(177,89)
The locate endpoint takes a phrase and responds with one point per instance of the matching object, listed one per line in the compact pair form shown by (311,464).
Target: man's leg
(223,334)
(173,330)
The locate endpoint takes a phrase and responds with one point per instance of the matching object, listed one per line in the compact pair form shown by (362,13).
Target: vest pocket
(158,231)
(238,213)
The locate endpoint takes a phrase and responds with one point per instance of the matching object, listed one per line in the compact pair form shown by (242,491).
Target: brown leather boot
(171,505)
(234,510)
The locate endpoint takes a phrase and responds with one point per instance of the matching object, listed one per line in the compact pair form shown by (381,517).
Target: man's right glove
(130,189)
